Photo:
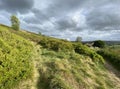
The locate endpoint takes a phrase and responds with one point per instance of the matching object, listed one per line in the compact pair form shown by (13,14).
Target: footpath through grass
(112,54)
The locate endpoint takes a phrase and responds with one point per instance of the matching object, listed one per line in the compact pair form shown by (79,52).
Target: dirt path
(113,74)
(36,63)
(112,70)
(32,83)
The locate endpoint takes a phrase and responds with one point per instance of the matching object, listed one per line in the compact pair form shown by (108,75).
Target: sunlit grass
(67,66)
(15,59)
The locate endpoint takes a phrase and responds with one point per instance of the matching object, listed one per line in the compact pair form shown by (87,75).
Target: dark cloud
(38,17)
(56,9)
(40,14)
(67,18)
(62,7)
(65,23)
(104,18)
(66,5)
(32,19)
(22,6)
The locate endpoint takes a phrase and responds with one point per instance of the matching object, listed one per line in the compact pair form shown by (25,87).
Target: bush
(82,49)
(56,45)
(99,43)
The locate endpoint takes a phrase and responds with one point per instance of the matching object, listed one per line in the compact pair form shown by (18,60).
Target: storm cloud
(22,6)
(104,18)
(90,19)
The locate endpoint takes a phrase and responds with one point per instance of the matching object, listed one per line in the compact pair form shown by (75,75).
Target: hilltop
(35,61)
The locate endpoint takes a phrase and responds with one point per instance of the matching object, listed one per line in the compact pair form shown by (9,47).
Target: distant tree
(78,39)
(99,43)
(40,33)
(15,23)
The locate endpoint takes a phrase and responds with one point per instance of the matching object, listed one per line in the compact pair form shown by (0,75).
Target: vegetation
(99,43)
(60,45)
(15,22)
(78,39)
(40,33)
(56,45)
(15,59)
(112,54)
(63,70)
(53,63)
(84,50)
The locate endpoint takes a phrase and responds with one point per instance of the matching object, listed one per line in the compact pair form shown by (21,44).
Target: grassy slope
(15,59)
(72,71)
(65,70)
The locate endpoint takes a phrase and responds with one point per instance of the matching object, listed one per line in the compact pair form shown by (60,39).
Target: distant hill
(107,42)
(113,42)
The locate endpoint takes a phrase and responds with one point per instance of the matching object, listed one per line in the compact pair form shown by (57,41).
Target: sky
(66,19)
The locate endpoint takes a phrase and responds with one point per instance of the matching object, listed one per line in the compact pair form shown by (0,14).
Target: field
(115,49)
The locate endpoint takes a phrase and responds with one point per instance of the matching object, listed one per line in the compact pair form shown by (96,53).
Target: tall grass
(63,70)
(60,64)
(15,59)
(112,54)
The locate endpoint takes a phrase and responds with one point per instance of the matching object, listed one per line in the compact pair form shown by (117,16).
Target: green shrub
(82,49)
(56,45)
(99,43)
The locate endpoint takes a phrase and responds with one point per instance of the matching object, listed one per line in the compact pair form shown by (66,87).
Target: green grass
(115,49)
(112,54)
(15,59)
(71,71)
(54,44)
(84,50)
(60,64)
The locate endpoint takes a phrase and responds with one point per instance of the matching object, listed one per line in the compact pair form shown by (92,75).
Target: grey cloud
(56,9)
(69,24)
(56,17)
(115,36)
(105,17)
(4,18)
(68,4)
(62,7)
(32,20)
(21,6)
(64,24)
(38,18)
(40,14)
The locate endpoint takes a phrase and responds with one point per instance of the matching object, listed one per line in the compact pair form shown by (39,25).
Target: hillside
(32,61)
(15,59)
